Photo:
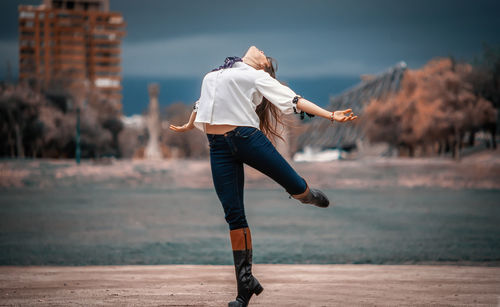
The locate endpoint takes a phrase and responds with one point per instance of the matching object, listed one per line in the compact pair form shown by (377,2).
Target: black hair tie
(294,101)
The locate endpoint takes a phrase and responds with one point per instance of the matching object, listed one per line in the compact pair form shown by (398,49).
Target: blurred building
(73,45)
(322,135)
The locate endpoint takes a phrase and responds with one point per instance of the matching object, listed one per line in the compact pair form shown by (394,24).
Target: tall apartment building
(73,44)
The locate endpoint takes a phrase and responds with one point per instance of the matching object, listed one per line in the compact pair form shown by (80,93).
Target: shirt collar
(242,64)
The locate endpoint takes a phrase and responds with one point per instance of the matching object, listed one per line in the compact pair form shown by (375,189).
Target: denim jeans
(246,145)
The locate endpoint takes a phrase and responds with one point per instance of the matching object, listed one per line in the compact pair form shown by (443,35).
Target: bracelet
(331,117)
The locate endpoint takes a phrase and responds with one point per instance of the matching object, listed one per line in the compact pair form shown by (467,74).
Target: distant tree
(58,133)
(433,110)
(18,112)
(191,144)
(114,125)
(485,79)
(130,141)
(42,124)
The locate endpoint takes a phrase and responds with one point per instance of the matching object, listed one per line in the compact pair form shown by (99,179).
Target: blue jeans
(246,145)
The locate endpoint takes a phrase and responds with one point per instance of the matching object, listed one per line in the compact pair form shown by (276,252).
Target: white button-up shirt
(230,96)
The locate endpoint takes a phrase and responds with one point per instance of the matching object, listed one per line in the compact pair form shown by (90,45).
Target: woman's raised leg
(257,151)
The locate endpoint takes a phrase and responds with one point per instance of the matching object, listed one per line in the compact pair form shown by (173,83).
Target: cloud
(8,54)
(192,56)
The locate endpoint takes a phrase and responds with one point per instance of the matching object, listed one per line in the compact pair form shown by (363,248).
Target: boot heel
(258,290)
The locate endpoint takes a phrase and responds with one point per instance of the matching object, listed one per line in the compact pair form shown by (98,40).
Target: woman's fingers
(343,118)
(176,128)
(351,116)
(344,115)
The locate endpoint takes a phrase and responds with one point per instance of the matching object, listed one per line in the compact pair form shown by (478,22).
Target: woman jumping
(240,103)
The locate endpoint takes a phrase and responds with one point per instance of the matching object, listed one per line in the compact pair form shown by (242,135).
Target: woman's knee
(236,220)
(304,188)
(298,188)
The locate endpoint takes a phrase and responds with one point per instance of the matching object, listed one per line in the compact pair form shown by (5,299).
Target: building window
(115,20)
(57,4)
(25,14)
(106,82)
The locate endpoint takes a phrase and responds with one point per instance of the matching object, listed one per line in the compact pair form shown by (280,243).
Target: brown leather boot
(313,197)
(241,242)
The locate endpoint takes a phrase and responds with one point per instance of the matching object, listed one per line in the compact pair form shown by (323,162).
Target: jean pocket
(211,141)
(246,132)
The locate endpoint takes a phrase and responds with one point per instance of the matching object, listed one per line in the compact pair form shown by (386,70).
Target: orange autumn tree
(431,113)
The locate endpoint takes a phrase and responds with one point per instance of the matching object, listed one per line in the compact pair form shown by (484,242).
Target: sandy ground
(285,285)
(480,170)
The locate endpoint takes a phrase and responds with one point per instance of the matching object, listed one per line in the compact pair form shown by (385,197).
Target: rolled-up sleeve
(278,94)
(195,106)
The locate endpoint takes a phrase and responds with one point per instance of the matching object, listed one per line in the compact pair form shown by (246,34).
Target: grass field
(94,225)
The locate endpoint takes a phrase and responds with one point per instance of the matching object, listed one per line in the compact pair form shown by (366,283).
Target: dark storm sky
(308,38)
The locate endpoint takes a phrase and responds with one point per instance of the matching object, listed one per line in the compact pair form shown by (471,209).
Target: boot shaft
(241,239)
(241,243)
(247,284)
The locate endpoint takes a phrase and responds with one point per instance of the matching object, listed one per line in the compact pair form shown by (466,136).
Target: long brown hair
(269,115)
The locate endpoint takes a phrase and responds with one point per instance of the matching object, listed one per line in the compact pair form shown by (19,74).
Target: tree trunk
(472,137)
(11,145)
(493,136)
(411,151)
(447,145)
(456,146)
(35,149)
(19,141)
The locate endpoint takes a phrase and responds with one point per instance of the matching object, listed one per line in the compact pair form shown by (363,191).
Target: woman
(241,102)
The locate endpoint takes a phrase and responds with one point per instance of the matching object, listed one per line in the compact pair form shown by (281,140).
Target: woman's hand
(183,128)
(340,116)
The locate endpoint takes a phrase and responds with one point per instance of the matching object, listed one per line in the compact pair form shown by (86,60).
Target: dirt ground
(284,285)
(477,171)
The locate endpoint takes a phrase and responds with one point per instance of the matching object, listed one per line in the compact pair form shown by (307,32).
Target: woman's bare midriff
(218,129)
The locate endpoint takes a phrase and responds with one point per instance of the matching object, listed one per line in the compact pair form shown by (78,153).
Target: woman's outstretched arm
(311,108)
(281,95)
(188,126)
